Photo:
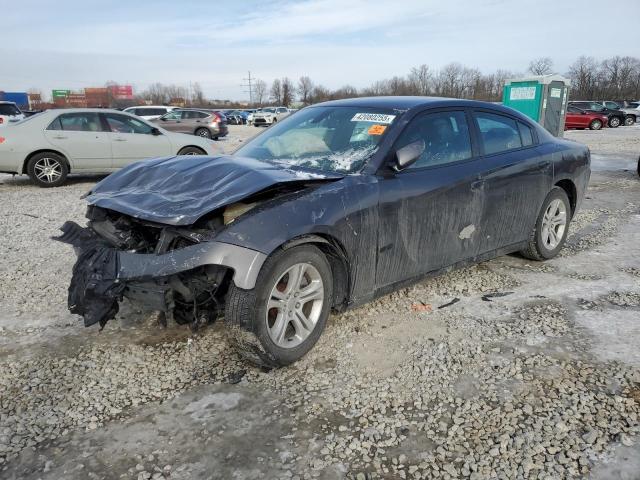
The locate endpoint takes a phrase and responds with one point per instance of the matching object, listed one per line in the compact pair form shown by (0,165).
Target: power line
(248,84)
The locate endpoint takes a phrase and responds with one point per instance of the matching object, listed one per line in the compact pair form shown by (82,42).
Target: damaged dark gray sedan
(338,204)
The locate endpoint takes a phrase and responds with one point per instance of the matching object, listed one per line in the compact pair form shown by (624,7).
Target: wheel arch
(43,150)
(570,189)
(337,258)
(204,152)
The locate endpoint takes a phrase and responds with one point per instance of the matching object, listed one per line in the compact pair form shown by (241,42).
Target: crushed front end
(178,271)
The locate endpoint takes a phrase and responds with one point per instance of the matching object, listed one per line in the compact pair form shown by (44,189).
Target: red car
(578,118)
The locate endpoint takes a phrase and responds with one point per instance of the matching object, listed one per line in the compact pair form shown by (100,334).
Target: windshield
(329,139)
(269,110)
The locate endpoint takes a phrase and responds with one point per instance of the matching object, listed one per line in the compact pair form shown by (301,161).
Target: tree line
(614,78)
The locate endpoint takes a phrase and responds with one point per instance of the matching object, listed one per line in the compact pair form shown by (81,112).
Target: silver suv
(197,121)
(9,113)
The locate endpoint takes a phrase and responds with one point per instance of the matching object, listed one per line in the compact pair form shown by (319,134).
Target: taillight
(2,139)
(216,118)
(1,120)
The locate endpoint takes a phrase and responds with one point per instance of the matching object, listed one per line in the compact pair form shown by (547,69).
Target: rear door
(430,212)
(516,179)
(133,140)
(83,140)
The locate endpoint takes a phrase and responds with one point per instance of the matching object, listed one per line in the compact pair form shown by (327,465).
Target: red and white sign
(123,92)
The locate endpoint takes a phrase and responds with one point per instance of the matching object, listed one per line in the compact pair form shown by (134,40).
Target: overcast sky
(75,44)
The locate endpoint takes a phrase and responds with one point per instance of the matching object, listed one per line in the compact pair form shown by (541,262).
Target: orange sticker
(376,129)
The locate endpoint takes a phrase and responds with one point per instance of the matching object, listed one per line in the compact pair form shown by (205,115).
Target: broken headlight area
(116,256)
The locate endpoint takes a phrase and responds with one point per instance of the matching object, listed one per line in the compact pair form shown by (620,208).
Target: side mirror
(163,119)
(408,155)
(155,131)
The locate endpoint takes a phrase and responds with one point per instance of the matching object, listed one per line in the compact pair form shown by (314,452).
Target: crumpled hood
(179,190)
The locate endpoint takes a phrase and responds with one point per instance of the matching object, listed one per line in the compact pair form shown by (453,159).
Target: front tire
(282,317)
(203,132)
(614,122)
(595,125)
(47,169)
(552,226)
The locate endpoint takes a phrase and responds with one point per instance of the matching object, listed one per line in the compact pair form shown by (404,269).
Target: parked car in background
(330,208)
(269,115)
(197,121)
(149,112)
(578,118)
(9,113)
(250,113)
(54,143)
(630,114)
(236,117)
(615,117)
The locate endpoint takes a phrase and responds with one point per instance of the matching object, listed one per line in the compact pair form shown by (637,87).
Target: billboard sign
(122,92)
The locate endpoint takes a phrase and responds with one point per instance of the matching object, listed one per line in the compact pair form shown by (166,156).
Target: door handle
(477,185)
(60,137)
(119,140)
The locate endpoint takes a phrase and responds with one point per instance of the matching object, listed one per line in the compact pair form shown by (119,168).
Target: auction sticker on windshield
(373,117)
(376,129)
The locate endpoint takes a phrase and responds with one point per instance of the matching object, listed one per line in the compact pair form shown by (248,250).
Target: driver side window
(445,135)
(124,124)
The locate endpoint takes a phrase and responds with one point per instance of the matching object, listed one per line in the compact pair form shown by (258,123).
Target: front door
(81,137)
(133,140)
(430,212)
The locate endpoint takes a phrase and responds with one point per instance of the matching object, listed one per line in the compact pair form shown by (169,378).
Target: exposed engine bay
(116,260)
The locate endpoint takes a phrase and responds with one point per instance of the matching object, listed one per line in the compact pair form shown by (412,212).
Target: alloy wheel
(554,224)
(294,305)
(47,170)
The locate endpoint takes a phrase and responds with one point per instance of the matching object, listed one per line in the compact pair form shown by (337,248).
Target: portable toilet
(543,98)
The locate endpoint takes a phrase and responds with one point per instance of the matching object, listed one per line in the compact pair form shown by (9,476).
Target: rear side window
(573,109)
(190,115)
(445,136)
(77,122)
(151,111)
(526,135)
(498,133)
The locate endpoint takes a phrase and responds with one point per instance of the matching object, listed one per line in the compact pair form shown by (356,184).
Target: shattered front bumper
(102,274)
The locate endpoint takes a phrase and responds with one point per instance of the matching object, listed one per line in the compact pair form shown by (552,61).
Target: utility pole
(250,91)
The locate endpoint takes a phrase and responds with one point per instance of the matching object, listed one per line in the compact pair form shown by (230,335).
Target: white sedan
(50,145)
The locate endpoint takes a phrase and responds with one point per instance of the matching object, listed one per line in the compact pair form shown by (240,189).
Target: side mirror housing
(155,131)
(408,155)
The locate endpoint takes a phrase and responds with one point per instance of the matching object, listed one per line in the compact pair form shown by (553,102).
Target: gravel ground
(520,370)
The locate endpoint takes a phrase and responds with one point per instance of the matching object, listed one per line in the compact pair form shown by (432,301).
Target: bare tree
(288,91)
(197,97)
(305,89)
(420,80)
(259,91)
(583,74)
(276,92)
(541,66)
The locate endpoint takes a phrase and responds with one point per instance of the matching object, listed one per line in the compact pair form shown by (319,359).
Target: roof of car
(151,106)
(404,103)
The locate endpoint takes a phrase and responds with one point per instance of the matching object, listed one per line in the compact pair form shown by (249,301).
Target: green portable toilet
(543,98)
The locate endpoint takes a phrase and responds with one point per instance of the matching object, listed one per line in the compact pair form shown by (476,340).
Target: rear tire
(272,325)
(191,151)
(203,132)
(48,169)
(614,122)
(629,120)
(595,125)
(550,232)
